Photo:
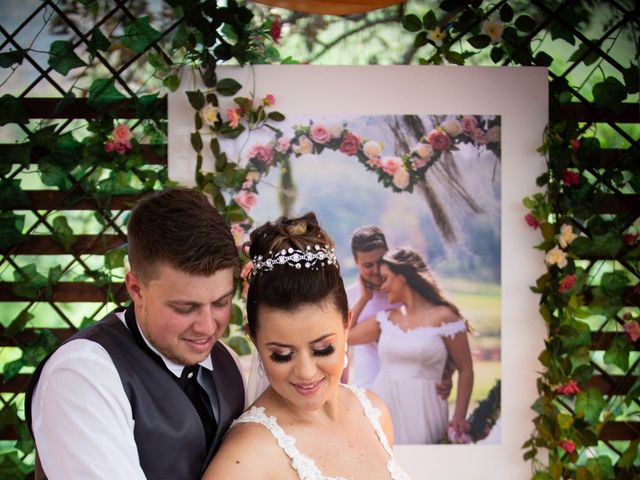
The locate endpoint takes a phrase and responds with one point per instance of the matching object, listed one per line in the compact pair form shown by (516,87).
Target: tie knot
(190,372)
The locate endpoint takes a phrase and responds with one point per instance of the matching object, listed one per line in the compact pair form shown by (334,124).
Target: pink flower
(390,165)
(438,139)
(109,146)
(566,283)
(246,200)
(569,388)
(570,177)
(234,117)
(276,30)
(479,136)
(630,238)
(575,144)
(531,221)
(122,133)
(350,144)
(262,153)
(469,124)
(122,147)
(632,329)
(568,445)
(283,144)
(269,100)
(374,162)
(319,133)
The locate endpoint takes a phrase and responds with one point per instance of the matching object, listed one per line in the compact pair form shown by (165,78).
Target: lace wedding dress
(305,466)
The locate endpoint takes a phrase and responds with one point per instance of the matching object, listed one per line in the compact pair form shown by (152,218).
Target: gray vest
(168,431)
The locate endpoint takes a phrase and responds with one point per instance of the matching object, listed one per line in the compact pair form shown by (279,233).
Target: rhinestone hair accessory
(313,257)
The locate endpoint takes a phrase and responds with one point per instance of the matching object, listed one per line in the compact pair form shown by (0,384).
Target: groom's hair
(367,238)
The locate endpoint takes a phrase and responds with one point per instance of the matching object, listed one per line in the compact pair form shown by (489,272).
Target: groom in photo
(149,391)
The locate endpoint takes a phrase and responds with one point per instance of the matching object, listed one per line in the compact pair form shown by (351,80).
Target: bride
(305,425)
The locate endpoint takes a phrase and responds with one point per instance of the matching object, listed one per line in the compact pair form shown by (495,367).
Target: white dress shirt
(82,418)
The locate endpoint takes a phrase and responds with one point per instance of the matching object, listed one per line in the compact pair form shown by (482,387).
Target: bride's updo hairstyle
(409,264)
(289,286)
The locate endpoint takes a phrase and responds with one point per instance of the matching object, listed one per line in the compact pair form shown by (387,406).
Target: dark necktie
(189,383)
(199,398)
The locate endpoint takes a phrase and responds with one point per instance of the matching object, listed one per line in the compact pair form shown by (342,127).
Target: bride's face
(392,284)
(302,352)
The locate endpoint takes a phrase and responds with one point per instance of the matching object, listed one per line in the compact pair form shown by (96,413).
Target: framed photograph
(439,158)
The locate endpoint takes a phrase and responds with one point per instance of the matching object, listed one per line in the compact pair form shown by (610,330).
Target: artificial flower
(452,127)
(304,145)
(479,136)
(336,129)
(374,162)
(261,153)
(423,150)
(568,445)
(494,29)
(209,114)
(283,144)
(319,133)
(630,238)
(401,179)
(122,133)
(246,200)
(350,144)
(390,165)
(632,330)
(436,36)
(569,177)
(531,221)
(469,124)
(493,134)
(269,100)
(566,283)
(276,30)
(555,256)
(233,114)
(438,139)
(372,149)
(569,388)
(566,236)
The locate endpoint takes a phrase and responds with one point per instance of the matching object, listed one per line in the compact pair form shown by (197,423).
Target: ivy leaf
(239,345)
(7,59)
(114,258)
(18,324)
(236,315)
(412,23)
(506,13)
(138,35)
(589,405)
(479,41)
(11,226)
(276,116)
(196,141)
(630,454)
(228,87)
(618,352)
(62,58)
(12,196)
(421,40)
(565,420)
(196,99)
(98,42)
(11,369)
(631,79)
(103,93)
(62,233)
(172,82)
(600,467)
(180,38)
(558,30)
(525,23)
(543,59)
(496,54)
(55,176)
(541,476)
(451,5)
(12,110)
(590,57)
(35,352)
(429,20)
(613,283)
(29,282)
(609,93)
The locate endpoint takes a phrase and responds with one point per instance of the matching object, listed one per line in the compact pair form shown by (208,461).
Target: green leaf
(7,59)
(103,93)
(631,81)
(172,82)
(62,233)
(630,455)
(19,323)
(12,110)
(565,420)
(276,116)
(585,51)
(62,58)
(236,315)
(12,196)
(618,352)
(525,23)
(609,93)
(558,30)
(600,467)
(11,369)
(543,59)
(227,87)
(613,283)
(196,99)
(55,176)
(180,37)
(496,54)
(451,5)
(11,226)
(411,23)
(506,13)
(114,258)
(139,35)
(421,40)
(541,476)
(98,42)
(196,141)
(589,405)
(479,41)
(239,345)
(429,20)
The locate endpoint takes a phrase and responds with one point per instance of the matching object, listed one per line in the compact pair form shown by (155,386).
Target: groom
(149,391)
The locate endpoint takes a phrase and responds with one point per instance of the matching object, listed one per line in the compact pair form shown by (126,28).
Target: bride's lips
(308,388)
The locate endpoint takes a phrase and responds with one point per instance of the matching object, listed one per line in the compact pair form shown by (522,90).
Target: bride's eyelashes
(280,358)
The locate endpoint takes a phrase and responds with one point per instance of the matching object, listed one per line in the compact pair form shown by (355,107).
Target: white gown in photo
(411,364)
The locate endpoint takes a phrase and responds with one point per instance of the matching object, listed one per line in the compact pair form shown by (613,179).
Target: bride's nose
(305,367)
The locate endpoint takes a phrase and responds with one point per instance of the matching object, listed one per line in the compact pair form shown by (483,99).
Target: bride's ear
(349,323)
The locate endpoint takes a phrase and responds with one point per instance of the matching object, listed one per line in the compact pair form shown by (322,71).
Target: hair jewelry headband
(297,258)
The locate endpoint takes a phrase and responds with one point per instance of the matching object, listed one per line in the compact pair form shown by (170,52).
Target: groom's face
(369,266)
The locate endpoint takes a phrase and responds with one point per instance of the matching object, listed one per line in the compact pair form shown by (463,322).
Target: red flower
(630,238)
(632,329)
(566,283)
(276,30)
(350,144)
(575,144)
(570,177)
(570,388)
(531,221)
(568,445)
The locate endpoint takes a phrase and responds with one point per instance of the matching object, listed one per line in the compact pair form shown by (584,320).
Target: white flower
(566,235)
(304,145)
(452,127)
(335,129)
(423,150)
(401,179)
(436,36)
(494,29)
(209,114)
(372,149)
(555,256)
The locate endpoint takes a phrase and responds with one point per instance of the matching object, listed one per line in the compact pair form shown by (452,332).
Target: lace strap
(372,414)
(306,467)
(452,328)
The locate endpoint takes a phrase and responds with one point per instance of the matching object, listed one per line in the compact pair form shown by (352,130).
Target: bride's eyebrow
(319,339)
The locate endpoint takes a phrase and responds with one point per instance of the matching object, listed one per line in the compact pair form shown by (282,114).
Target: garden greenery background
(108,65)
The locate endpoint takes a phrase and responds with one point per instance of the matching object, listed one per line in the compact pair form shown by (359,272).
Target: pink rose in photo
(122,133)
(283,144)
(269,100)
(262,153)
(469,124)
(233,115)
(632,330)
(390,165)
(246,200)
(374,162)
(350,144)
(531,221)
(319,133)
(568,445)
(479,136)
(438,139)
(570,177)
